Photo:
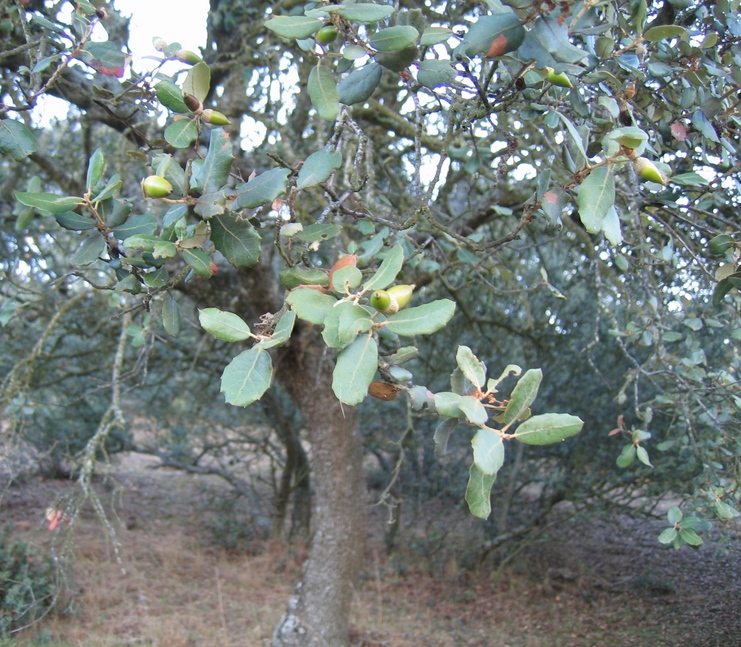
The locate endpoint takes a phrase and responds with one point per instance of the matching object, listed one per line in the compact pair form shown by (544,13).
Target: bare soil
(598,584)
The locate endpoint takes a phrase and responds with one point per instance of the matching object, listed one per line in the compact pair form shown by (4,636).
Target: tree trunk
(318,614)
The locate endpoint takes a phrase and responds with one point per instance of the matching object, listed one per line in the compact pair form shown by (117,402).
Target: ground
(188,582)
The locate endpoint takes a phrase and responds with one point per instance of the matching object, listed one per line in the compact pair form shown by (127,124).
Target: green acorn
(187,56)
(214,117)
(326,35)
(392,300)
(380,300)
(401,294)
(155,186)
(559,79)
(649,171)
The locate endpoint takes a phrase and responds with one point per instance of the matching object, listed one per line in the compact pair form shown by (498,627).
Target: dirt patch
(584,585)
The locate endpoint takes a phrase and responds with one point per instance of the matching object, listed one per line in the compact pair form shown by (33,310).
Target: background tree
(561,177)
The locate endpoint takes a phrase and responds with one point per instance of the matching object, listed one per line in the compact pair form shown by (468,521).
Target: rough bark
(318,614)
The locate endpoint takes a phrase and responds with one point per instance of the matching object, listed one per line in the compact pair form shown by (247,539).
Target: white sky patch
(149,18)
(173,20)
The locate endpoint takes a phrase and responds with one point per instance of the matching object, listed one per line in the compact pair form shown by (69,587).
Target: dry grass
(180,590)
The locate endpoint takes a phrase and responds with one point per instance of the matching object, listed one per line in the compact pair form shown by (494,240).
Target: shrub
(28,584)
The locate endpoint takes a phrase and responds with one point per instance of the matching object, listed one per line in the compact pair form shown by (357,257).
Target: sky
(173,20)
(149,18)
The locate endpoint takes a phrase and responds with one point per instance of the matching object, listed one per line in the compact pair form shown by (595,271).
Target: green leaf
(74,221)
(703,124)
(596,196)
(359,85)
(236,239)
(674,515)
(627,456)
(478,492)
(487,29)
(89,251)
(294,26)
(247,377)
(282,332)
(404,354)
(523,395)
(171,316)
(48,203)
(105,57)
(44,64)
(642,456)
(310,305)
(318,232)
(666,32)
(353,52)
(471,366)
(323,92)
(668,535)
(435,35)
(198,81)
(317,168)
(171,96)
(629,136)
(354,371)
(690,537)
(94,169)
(129,284)
(553,35)
(16,139)
(181,133)
(447,404)
(156,278)
(262,189)
(346,278)
(434,73)
(386,274)
(343,324)
(365,12)
(688,179)
(510,369)
(294,276)
(422,320)
(398,59)
(442,434)
(143,224)
(199,261)
(392,39)
(575,137)
(8,310)
(725,511)
(145,242)
(214,172)
(111,189)
(211,204)
(226,326)
(611,227)
(724,286)
(548,428)
(488,451)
